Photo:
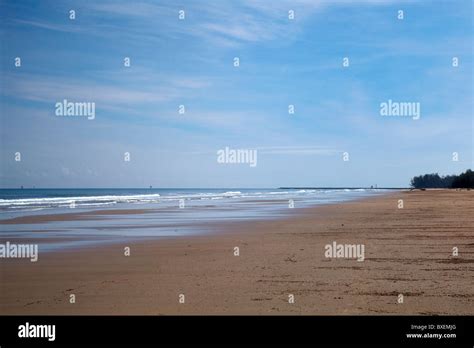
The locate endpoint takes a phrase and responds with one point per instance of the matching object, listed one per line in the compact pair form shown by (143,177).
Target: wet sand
(85,215)
(408,251)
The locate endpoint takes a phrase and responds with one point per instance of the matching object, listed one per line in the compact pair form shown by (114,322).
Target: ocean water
(170,212)
(17,202)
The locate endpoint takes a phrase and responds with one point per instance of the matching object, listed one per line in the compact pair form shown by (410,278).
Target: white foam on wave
(232,193)
(171,198)
(78,201)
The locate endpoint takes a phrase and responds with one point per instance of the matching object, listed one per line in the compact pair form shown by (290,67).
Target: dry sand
(407,251)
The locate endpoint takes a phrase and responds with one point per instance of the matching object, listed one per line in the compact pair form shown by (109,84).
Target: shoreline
(84,228)
(408,251)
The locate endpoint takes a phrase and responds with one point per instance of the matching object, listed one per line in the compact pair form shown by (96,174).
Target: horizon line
(204,188)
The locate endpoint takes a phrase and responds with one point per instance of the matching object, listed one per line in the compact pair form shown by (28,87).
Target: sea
(159,212)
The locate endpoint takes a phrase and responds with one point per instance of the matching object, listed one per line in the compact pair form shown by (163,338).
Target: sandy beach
(408,251)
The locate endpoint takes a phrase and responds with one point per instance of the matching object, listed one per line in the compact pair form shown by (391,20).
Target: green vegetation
(464,180)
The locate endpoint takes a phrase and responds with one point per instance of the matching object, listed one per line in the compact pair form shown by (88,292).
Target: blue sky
(190,62)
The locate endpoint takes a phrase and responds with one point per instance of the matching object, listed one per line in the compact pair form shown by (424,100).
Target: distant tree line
(464,180)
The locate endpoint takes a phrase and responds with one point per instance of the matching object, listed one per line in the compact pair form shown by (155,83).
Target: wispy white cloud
(110,95)
(222,23)
(50,26)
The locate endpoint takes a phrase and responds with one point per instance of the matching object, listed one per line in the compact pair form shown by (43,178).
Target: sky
(335,137)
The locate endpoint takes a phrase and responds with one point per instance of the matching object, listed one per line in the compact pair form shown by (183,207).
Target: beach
(408,252)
